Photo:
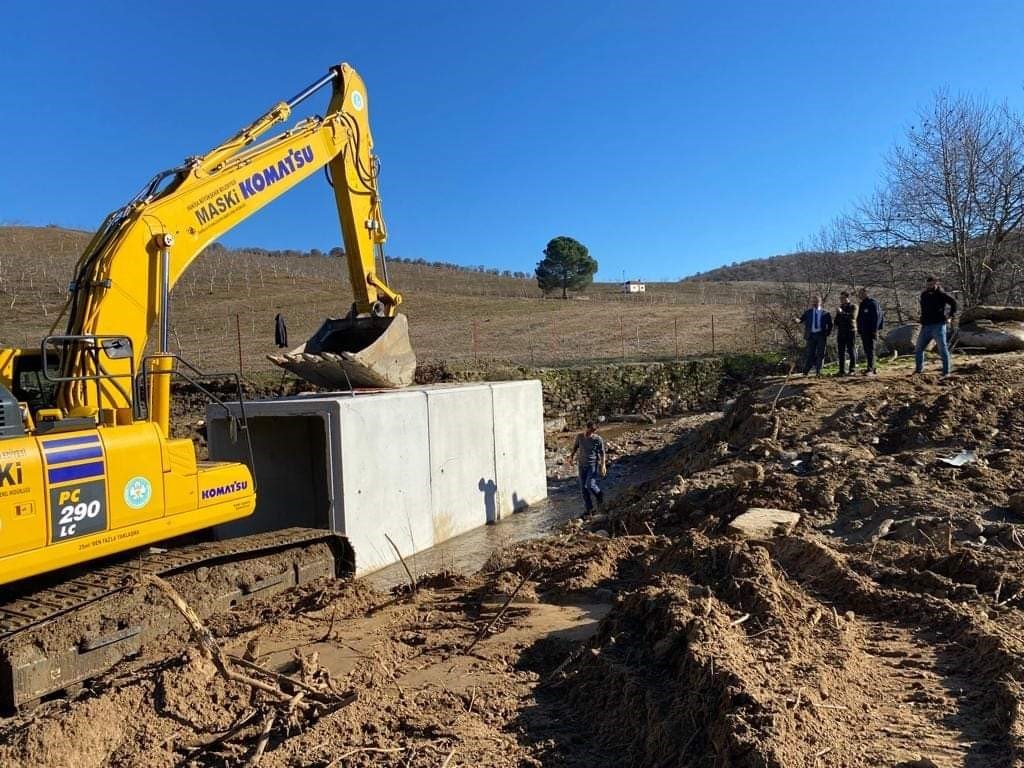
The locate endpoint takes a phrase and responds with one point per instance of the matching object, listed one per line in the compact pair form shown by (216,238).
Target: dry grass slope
(454,314)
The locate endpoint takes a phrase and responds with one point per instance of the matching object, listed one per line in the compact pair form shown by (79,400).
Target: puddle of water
(468,552)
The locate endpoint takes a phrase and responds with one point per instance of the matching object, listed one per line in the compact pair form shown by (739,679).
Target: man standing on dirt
(869,323)
(591,460)
(817,325)
(846,335)
(934,322)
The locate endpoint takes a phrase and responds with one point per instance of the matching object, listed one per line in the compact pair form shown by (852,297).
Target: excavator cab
(354,351)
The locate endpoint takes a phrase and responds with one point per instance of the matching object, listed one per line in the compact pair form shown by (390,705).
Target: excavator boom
(123,279)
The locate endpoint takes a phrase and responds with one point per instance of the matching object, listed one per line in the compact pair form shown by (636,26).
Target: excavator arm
(123,279)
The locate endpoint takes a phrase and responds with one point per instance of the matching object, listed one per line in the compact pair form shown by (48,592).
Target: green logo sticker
(138,492)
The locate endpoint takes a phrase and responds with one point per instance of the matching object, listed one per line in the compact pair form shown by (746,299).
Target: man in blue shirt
(817,325)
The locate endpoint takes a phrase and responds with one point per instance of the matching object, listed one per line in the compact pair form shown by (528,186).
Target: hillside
(854,268)
(454,314)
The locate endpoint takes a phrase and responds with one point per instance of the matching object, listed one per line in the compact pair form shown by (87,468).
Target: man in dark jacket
(846,334)
(817,325)
(934,319)
(591,460)
(869,323)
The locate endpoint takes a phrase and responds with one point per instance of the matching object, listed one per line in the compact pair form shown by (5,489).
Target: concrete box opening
(292,462)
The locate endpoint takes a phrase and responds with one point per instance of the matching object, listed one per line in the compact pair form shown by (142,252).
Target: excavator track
(59,631)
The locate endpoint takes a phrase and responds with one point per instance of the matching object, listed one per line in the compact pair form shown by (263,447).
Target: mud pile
(792,653)
(904,458)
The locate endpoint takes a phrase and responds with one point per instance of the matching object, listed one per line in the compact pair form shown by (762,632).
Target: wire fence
(223,311)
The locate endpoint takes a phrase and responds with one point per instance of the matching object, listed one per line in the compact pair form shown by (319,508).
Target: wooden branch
(280,677)
(501,612)
(261,745)
(412,581)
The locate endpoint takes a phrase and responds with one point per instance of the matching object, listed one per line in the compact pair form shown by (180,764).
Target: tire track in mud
(941,676)
(921,704)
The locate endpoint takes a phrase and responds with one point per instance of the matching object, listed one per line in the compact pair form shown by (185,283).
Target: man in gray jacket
(591,460)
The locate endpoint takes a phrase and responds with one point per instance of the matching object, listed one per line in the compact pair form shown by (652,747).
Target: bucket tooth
(345,353)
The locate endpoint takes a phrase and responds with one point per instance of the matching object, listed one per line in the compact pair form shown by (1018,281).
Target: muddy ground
(886,629)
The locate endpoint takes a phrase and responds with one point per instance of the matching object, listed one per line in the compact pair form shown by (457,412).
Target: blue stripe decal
(66,442)
(73,454)
(67,474)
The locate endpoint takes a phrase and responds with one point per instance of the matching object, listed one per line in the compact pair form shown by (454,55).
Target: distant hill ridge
(16,238)
(902,269)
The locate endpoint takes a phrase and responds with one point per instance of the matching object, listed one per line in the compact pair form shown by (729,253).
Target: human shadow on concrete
(489,488)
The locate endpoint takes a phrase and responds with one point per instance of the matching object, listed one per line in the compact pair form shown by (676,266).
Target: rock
(909,478)
(883,529)
(903,338)
(762,522)
(748,473)
(788,456)
(992,337)
(975,527)
(1016,503)
(838,453)
(984,312)
(557,424)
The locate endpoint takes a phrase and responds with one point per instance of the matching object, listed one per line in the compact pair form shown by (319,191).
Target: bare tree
(957,190)
(875,222)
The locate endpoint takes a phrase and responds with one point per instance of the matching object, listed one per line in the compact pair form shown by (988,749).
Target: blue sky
(668,137)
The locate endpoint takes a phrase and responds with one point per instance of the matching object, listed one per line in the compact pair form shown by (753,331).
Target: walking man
(869,323)
(588,450)
(934,320)
(846,334)
(817,325)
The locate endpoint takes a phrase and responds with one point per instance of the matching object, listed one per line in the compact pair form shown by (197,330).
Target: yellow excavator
(88,467)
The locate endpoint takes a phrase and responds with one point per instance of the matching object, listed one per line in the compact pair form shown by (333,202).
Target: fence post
(712,333)
(238,334)
(622,336)
(675,334)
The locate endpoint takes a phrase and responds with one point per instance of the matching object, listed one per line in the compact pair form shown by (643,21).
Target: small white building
(634,286)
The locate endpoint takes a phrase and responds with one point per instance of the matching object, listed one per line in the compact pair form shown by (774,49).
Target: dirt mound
(886,629)
(776,655)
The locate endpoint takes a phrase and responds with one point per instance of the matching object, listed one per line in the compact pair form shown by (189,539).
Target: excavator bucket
(351,352)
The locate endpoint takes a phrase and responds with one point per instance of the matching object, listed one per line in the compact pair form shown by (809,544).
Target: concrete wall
(418,465)
(385,477)
(518,453)
(463,487)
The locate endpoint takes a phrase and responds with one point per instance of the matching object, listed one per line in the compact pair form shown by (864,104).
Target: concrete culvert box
(420,465)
